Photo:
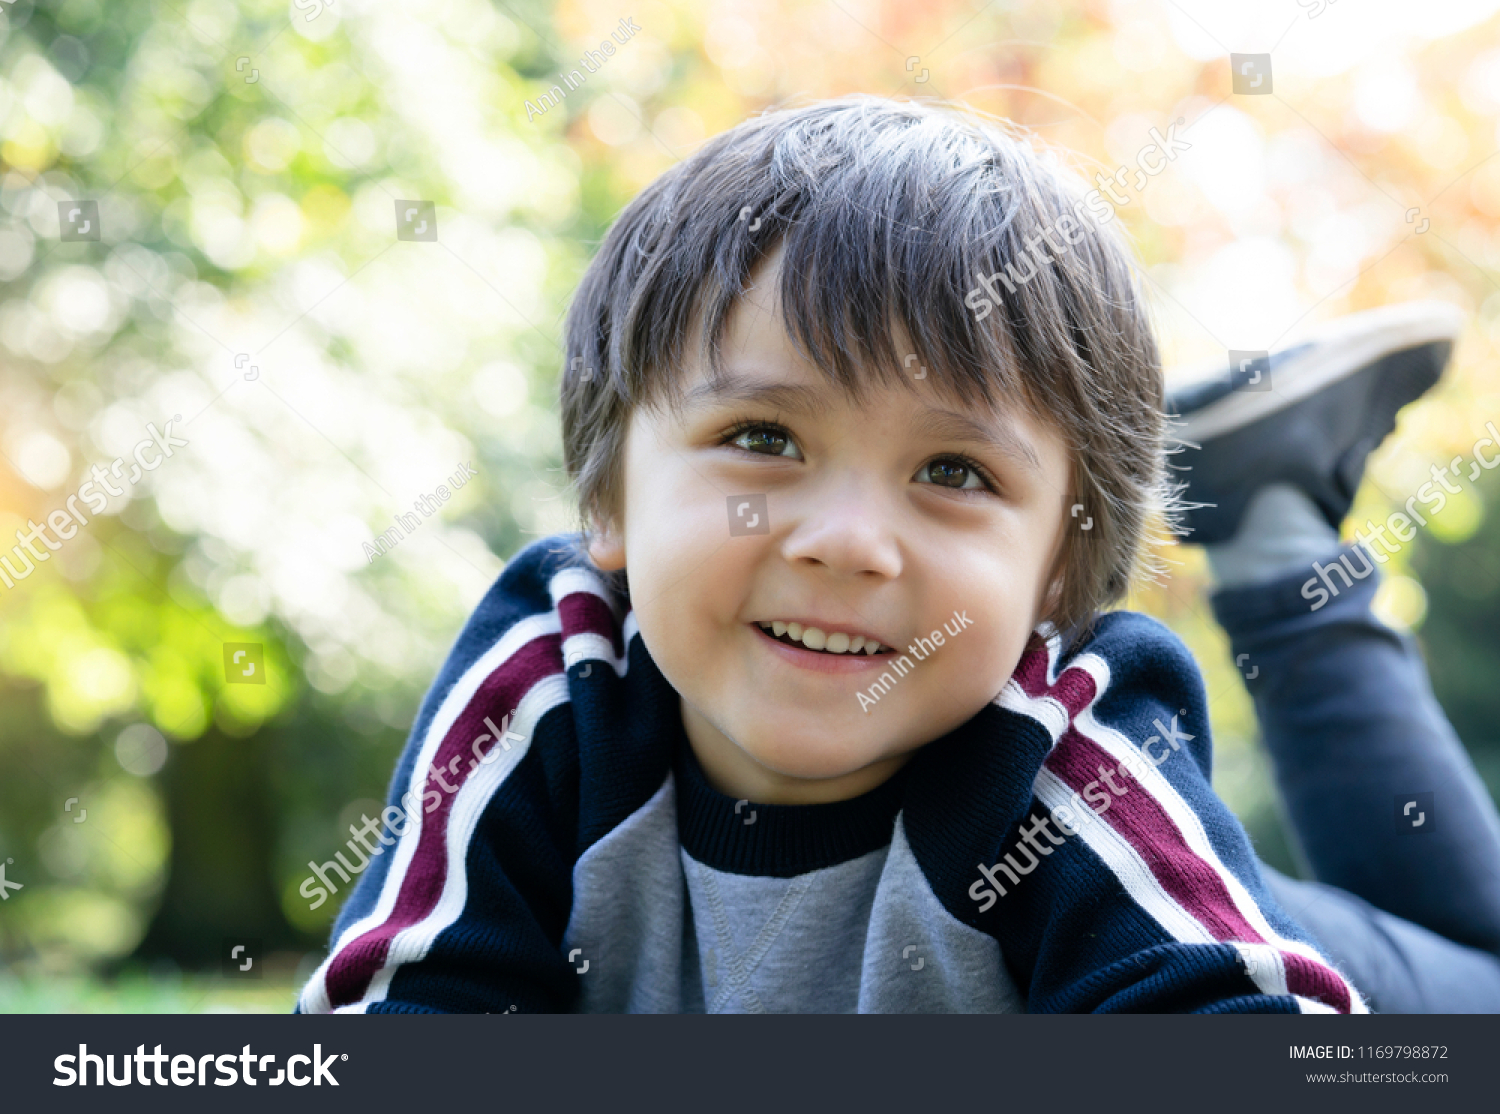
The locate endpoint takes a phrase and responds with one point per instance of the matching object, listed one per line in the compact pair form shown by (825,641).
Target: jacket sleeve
(1127,884)
(468,888)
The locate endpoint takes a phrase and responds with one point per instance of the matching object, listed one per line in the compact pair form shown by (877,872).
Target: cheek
(1000,631)
(680,548)
(685,554)
(1006,643)
(668,533)
(689,580)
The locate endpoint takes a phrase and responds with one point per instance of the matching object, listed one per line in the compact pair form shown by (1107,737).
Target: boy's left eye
(951,472)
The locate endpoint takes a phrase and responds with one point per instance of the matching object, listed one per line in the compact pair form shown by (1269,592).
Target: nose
(847,525)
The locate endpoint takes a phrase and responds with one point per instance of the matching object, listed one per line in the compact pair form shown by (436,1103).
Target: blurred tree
(246,160)
(220,877)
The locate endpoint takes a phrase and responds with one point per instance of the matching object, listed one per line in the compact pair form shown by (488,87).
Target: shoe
(1308,415)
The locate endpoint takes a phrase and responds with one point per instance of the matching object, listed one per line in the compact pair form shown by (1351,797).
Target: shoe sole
(1333,352)
(1318,444)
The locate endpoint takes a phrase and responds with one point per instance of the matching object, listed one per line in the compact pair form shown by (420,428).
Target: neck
(736,774)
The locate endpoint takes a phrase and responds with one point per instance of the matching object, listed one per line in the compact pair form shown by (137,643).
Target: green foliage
(248,284)
(1459,637)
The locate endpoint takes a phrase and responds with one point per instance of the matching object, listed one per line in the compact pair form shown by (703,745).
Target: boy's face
(870,523)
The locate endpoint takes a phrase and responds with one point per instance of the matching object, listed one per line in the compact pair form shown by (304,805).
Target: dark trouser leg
(1354,733)
(1398,966)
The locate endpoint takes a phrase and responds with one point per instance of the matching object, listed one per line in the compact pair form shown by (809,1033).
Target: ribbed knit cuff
(1302,596)
(1281,531)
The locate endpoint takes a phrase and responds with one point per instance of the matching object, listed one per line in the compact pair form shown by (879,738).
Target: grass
(187,993)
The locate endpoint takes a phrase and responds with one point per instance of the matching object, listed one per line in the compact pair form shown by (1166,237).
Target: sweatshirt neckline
(780,841)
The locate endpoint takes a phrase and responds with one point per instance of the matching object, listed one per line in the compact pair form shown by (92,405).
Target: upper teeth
(815,639)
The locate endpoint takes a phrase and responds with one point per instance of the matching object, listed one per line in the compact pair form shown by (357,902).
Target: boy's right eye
(762,439)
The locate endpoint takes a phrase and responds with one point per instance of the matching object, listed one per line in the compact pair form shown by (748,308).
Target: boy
(854,735)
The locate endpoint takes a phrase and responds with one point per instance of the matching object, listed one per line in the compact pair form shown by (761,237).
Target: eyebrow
(949,425)
(739,388)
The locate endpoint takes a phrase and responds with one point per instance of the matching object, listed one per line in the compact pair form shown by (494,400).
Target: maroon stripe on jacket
(1145,824)
(422,884)
(1142,821)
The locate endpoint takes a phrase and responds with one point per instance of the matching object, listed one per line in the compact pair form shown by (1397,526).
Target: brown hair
(888,213)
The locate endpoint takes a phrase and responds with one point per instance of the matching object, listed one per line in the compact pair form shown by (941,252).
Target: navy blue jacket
(551,844)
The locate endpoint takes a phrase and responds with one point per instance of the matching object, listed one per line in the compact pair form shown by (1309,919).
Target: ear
(1052,599)
(607,545)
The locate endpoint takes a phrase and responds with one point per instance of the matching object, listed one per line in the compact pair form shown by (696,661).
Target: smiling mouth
(826,643)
